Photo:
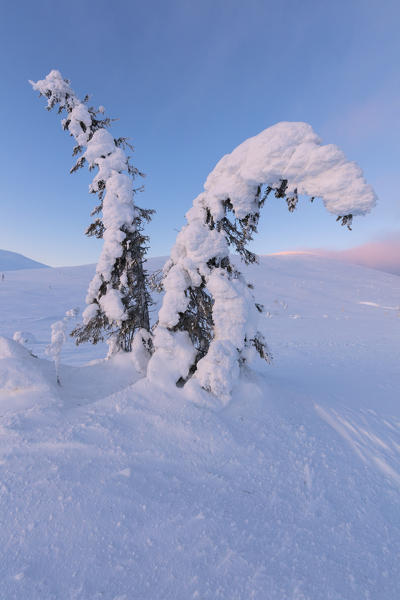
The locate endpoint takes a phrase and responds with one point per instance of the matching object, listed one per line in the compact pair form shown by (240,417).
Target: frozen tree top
(53,80)
(294,152)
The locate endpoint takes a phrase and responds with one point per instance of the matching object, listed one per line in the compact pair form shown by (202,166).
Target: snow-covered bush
(208,319)
(56,343)
(118,298)
(58,330)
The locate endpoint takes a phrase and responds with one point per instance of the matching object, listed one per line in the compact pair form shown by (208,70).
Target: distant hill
(12,261)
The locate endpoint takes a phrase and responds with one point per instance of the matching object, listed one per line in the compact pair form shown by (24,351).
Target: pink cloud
(383,254)
(380,254)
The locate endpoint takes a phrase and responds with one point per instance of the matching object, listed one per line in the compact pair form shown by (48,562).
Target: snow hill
(117,489)
(11,261)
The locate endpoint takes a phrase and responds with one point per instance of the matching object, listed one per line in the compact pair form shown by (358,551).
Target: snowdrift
(24,380)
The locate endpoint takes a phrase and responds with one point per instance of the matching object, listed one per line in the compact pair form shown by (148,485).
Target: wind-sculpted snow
(289,152)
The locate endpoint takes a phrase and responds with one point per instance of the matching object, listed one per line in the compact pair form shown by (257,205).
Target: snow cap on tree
(200,281)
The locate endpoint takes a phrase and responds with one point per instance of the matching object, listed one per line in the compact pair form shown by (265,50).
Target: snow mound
(24,338)
(25,381)
(12,349)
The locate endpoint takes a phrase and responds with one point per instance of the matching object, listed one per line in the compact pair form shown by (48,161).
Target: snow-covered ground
(113,488)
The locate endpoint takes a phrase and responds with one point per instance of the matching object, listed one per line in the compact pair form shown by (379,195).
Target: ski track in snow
(114,489)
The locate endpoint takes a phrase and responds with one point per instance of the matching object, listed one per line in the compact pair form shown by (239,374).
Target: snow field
(116,488)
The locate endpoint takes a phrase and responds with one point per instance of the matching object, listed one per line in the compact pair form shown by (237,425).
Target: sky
(188,81)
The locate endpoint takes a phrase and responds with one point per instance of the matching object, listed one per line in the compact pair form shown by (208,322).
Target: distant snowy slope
(11,261)
(117,488)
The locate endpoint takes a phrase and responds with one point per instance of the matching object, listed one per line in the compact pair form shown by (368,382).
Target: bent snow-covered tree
(118,298)
(208,319)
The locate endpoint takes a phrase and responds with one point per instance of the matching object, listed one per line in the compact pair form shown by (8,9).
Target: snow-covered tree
(208,319)
(118,298)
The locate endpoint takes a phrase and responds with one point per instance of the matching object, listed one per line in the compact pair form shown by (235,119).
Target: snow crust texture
(286,151)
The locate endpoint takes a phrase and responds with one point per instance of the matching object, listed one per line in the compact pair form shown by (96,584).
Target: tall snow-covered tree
(208,321)
(118,298)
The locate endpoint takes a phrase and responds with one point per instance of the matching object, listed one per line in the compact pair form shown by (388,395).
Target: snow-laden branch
(287,158)
(294,152)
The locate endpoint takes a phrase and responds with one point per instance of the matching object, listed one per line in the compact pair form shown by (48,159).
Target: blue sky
(188,81)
